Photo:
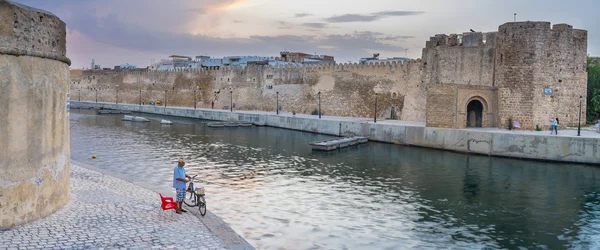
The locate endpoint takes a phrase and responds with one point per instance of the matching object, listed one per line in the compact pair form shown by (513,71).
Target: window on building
(269,76)
(227,79)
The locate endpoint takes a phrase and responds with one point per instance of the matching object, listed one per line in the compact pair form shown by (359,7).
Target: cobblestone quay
(106,212)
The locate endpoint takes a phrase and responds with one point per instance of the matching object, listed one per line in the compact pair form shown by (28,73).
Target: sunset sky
(138,31)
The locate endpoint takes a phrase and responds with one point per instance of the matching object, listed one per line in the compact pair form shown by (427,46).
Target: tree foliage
(595,107)
(593,90)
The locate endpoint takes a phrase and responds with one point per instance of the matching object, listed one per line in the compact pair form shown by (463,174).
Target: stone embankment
(108,212)
(487,142)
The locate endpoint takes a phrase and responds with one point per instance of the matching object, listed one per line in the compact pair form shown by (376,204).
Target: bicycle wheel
(190,199)
(202,205)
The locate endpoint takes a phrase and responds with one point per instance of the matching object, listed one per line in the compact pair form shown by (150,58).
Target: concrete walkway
(587,131)
(539,145)
(106,212)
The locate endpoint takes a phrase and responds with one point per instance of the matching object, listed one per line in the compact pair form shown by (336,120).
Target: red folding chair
(167,203)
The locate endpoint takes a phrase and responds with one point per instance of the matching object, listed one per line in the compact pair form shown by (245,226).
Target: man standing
(212,105)
(179,183)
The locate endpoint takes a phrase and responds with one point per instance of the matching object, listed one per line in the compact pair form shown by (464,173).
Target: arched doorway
(474,113)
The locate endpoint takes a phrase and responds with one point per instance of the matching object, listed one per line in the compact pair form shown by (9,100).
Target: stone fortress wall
(505,71)
(34,126)
(346,90)
(532,56)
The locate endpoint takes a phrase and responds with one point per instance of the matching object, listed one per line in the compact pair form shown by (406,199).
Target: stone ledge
(18,52)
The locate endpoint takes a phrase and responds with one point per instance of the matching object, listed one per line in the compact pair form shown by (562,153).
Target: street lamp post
(80,94)
(277,102)
(319,104)
(579,126)
(140,97)
(117,97)
(375,115)
(231,101)
(96,95)
(195,98)
(165,98)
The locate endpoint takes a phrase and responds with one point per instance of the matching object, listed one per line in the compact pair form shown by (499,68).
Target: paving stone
(106,212)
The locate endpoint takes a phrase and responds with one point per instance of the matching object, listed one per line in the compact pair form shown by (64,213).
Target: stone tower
(34,125)
(540,73)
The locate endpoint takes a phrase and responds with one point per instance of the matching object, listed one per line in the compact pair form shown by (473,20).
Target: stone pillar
(34,124)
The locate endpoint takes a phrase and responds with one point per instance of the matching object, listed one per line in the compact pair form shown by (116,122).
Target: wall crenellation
(467,39)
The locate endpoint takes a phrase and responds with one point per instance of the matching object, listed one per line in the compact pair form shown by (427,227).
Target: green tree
(595,102)
(593,90)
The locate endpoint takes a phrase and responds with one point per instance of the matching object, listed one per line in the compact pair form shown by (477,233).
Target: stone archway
(475,113)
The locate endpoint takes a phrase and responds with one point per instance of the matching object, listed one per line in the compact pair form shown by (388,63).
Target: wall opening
(474,114)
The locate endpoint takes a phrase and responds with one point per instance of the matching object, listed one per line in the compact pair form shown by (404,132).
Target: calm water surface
(275,192)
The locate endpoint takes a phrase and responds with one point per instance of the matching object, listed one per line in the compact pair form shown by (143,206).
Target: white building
(185,62)
(375,59)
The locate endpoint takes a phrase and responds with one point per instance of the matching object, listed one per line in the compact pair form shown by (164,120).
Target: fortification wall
(564,72)
(466,59)
(34,132)
(506,70)
(532,56)
(346,89)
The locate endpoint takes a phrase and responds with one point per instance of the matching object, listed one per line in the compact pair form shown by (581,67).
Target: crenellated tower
(540,73)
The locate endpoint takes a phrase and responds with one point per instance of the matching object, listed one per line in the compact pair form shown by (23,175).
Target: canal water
(275,192)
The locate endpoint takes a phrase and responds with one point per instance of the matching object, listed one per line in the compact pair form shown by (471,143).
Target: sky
(140,32)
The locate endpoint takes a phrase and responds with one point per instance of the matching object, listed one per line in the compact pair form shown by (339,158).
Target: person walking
(554,126)
(179,183)
(212,105)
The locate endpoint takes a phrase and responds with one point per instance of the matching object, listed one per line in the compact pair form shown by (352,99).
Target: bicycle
(195,197)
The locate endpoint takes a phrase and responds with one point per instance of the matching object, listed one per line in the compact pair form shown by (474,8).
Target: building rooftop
(179,57)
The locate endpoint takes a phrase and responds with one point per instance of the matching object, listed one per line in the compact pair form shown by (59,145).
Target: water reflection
(277,193)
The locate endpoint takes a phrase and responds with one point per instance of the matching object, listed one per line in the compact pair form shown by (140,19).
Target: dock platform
(134,118)
(338,143)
